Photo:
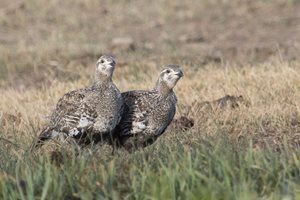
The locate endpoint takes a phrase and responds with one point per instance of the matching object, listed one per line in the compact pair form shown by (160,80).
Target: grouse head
(105,67)
(168,78)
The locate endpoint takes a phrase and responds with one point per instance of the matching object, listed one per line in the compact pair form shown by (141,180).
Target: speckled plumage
(147,114)
(88,114)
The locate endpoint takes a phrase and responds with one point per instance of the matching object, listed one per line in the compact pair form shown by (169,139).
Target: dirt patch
(206,109)
(182,123)
(163,31)
(226,102)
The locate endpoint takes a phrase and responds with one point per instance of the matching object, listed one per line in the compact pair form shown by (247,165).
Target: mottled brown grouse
(147,114)
(88,114)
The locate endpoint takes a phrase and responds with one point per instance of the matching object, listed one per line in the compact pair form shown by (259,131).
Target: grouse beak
(179,74)
(112,63)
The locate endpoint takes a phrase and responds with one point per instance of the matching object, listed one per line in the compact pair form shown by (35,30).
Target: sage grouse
(147,114)
(87,114)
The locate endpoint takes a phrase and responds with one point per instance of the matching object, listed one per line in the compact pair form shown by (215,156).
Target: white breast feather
(73,132)
(138,127)
(140,124)
(84,121)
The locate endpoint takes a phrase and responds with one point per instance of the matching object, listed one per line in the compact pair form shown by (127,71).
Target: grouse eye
(168,71)
(101,61)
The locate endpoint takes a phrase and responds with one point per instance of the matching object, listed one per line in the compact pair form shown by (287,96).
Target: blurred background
(46,41)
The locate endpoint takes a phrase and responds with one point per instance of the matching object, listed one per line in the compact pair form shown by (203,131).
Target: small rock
(123,43)
(183,123)
(211,59)
(195,38)
(229,101)
(149,45)
(53,63)
(226,102)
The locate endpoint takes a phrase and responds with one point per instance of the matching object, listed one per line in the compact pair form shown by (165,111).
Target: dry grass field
(239,47)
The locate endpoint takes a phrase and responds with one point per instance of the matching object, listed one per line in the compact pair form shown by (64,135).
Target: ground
(239,47)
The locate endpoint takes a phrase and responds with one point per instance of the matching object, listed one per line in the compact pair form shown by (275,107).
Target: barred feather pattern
(87,115)
(146,116)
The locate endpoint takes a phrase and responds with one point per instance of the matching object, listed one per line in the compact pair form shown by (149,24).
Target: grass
(212,168)
(248,48)
(246,153)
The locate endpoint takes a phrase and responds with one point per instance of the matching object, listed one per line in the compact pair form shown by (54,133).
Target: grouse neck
(162,88)
(101,80)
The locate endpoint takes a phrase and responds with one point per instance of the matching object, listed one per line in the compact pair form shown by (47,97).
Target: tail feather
(45,135)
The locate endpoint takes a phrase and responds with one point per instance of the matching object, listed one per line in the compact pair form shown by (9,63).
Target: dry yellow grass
(272,89)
